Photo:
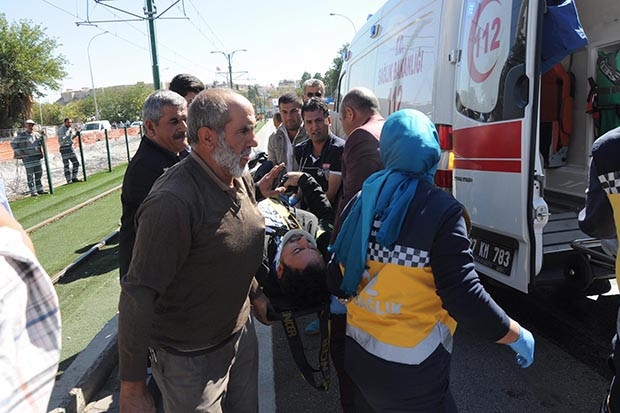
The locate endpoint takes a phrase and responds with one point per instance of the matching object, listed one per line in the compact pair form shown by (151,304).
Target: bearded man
(186,299)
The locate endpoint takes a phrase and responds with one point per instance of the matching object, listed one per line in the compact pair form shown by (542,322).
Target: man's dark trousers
(68,155)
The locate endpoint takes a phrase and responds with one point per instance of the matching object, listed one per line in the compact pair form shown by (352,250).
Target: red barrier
(88,138)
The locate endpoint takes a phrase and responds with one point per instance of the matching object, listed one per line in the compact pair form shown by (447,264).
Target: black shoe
(76,180)
(42,192)
(34,194)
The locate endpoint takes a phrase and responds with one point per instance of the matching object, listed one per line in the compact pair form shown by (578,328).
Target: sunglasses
(317,94)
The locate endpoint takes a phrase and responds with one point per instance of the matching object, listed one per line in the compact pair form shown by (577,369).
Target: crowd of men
(28,146)
(204,245)
(195,234)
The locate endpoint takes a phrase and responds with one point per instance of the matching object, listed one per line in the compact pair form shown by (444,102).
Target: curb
(88,372)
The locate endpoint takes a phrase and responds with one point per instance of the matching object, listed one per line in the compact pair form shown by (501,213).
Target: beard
(228,159)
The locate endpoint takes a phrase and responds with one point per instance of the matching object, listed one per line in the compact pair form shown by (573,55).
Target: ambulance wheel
(577,272)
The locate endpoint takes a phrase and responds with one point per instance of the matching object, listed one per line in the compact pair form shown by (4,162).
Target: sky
(282,38)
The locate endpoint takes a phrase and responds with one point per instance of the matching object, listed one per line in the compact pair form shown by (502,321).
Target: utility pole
(345,17)
(90,68)
(229,57)
(150,11)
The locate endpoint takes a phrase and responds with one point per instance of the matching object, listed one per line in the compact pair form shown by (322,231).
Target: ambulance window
(493,42)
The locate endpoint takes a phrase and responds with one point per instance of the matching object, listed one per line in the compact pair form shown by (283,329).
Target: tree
(305,77)
(331,77)
(28,63)
(333,74)
(122,102)
(256,98)
(116,103)
(51,113)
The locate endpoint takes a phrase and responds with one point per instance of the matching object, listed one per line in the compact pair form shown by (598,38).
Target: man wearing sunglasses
(316,88)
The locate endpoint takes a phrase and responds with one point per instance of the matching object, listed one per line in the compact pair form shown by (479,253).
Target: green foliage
(28,63)
(258,101)
(305,77)
(118,103)
(333,74)
(123,102)
(51,113)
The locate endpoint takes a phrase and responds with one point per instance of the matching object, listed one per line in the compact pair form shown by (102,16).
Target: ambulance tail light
(443,176)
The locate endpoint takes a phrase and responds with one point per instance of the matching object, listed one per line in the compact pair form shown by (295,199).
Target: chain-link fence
(96,151)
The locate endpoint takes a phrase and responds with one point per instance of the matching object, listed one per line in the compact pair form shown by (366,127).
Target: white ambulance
(515,144)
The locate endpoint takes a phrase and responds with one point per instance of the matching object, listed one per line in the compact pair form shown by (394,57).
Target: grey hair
(362,99)
(209,108)
(154,104)
(314,83)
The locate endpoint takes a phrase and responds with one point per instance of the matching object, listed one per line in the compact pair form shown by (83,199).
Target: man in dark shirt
(187,296)
(164,113)
(320,155)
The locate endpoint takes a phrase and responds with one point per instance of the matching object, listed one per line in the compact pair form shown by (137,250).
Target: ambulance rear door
(495,137)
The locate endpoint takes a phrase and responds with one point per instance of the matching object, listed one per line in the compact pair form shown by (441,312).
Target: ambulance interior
(574,111)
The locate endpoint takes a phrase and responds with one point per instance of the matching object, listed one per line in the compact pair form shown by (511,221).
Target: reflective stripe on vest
(440,334)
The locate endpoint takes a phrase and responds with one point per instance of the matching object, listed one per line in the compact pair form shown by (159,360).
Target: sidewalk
(106,400)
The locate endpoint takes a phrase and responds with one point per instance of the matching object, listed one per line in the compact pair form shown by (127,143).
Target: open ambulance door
(495,127)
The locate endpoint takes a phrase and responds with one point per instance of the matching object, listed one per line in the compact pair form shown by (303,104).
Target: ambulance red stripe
(494,147)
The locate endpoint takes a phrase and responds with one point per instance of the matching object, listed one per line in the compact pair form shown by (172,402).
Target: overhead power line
(110,9)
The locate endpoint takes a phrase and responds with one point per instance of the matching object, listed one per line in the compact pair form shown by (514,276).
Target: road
(568,375)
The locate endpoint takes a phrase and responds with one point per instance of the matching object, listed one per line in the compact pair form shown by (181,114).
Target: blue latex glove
(524,347)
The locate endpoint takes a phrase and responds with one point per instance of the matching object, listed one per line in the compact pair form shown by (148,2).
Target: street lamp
(350,21)
(90,68)
(229,57)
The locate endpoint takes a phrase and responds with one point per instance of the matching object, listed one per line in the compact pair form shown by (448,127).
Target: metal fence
(97,151)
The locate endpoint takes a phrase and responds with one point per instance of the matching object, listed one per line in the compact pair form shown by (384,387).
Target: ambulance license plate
(492,254)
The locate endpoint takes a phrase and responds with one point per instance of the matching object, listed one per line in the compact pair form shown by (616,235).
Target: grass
(63,241)
(88,293)
(88,300)
(30,211)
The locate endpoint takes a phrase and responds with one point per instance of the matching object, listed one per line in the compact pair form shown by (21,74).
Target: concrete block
(88,372)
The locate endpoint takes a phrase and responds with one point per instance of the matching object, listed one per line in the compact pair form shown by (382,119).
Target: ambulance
(511,86)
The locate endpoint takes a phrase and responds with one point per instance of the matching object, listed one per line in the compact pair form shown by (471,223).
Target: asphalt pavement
(484,378)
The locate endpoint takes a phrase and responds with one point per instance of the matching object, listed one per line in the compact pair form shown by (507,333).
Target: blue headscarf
(410,151)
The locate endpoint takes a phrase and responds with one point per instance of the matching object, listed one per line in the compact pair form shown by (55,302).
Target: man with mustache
(320,156)
(187,86)
(186,298)
(316,88)
(164,113)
